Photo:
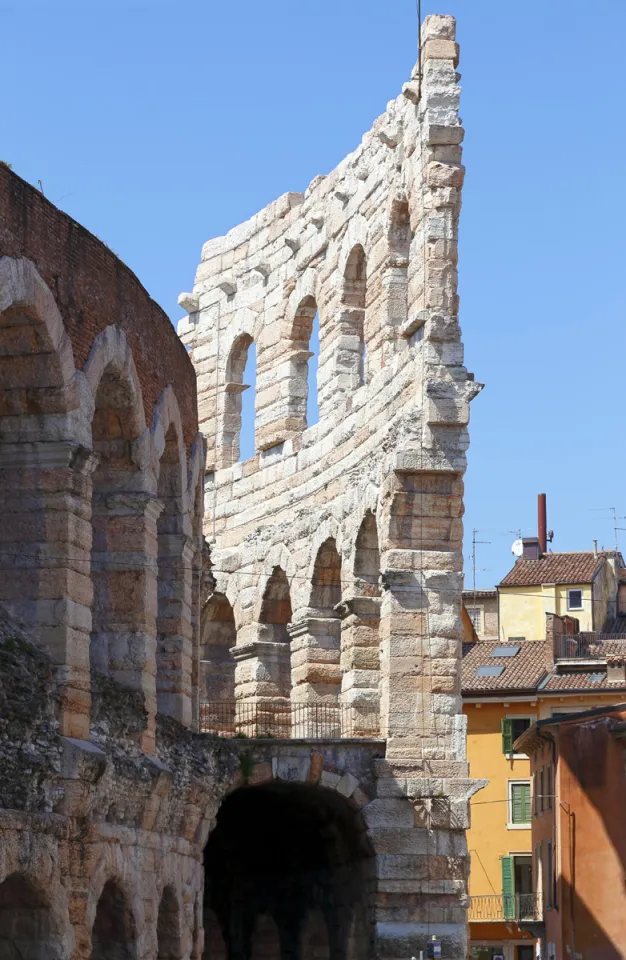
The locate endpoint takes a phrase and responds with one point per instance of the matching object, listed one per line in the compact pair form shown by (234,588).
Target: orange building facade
(578,773)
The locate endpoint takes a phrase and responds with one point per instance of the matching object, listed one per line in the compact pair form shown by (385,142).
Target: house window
(517,887)
(476,616)
(512,728)
(541,790)
(574,599)
(519,804)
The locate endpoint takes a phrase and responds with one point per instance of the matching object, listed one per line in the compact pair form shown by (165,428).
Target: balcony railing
(519,906)
(588,646)
(285,720)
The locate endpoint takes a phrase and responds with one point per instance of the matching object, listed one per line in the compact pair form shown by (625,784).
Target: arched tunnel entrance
(289,876)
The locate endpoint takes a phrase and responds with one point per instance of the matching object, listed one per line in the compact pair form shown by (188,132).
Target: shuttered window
(519,803)
(508,888)
(507,736)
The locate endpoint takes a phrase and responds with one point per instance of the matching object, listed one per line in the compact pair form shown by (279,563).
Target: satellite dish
(517,548)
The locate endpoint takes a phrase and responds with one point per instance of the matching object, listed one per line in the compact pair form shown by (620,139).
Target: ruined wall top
(370,248)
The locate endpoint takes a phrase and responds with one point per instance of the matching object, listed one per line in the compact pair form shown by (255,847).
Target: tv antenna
(475,542)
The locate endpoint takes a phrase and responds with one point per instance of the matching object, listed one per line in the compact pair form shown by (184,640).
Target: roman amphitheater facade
(230,718)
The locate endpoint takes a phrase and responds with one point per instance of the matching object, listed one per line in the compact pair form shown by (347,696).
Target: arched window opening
(353,318)
(169,945)
(120,522)
(239,401)
(217,667)
(326,586)
(27,928)
(367,557)
(275,709)
(360,637)
(173,650)
(114,935)
(297,854)
(303,408)
(396,279)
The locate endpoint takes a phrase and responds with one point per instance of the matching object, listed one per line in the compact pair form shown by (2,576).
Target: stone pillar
(316,676)
(124,572)
(360,664)
(262,681)
(45,541)
(174,627)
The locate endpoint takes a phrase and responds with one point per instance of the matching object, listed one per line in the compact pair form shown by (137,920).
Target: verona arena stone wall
(337,548)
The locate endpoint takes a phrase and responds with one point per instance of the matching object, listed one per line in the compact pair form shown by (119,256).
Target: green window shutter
(507,736)
(508,888)
(520,803)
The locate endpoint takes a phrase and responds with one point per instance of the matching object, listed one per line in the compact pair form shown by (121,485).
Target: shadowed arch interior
(169,946)
(114,932)
(27,927)
(367,557)
(217,666)
(285,851)
(353,318)
(326,586)
(303,373)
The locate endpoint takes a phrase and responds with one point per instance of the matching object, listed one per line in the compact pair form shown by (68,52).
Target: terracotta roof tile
(582,680)
(555,568)
(521,672)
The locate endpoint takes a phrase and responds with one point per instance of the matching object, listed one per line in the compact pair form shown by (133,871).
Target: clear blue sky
(161,124)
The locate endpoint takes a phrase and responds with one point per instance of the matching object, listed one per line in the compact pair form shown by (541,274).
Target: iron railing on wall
(282,719)
(587,646)
(519,906)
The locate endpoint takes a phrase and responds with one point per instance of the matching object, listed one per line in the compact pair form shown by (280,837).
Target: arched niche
(114,933)
(302,402)
(174,564)
(353,318)
(27,926)
(124,519)
(217,666)
(169,944)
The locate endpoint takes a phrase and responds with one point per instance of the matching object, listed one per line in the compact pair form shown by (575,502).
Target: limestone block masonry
(337,548)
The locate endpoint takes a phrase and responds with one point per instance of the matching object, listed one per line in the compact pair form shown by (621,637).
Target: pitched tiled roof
(521,672)
(582,680)
(555,568)
(470,594)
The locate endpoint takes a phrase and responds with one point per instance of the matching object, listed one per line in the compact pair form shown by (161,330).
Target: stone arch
(214,943)
(114,930)
(124,520)
(36,358)
(353,316)
(233,388)
(326,579)
(367,557)
(169,933)
(217,666)
(175,556)
(265,938)
(314,940)
(28,925)
(285,849)
(327,528)
(43,428)
(299,343)
(396,273)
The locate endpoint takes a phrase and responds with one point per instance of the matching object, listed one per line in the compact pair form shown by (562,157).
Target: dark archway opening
(114,936)
(168,927)
(292,854)
(217,667)
(26,926)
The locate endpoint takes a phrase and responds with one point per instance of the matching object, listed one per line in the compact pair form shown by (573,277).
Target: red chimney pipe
(542,522)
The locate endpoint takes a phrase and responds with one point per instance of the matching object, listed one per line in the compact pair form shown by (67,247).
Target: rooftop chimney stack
(595,548)
(542,522)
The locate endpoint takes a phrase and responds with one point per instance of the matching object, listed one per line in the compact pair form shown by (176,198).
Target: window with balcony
(541,791)
(518,901)
(549,875)
(519,804)
(476,616)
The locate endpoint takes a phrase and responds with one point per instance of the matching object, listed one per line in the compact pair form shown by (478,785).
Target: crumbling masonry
(318,622)
(336,549)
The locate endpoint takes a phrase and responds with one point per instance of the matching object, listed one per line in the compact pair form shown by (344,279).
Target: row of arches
(30,928)
(113,496)
(308,340)
(320,657)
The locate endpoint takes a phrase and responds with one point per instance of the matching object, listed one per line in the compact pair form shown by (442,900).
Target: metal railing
(519,906)
(285,720)
(587,646)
